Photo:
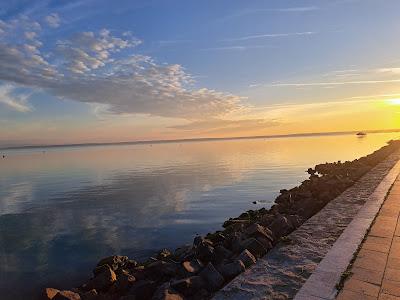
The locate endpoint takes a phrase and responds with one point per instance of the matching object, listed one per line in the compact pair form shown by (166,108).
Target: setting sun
(394,101)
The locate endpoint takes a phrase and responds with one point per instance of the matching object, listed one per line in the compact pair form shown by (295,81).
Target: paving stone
(392,274)
(350,295)
(391,287)
(370,276)
(361,287)
(393,263)
(387,297)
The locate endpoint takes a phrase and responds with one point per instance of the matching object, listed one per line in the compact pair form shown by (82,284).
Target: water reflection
(62,210)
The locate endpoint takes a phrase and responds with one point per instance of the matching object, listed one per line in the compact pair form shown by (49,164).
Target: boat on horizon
(361,133)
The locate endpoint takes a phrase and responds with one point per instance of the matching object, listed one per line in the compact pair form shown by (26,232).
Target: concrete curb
(322,282)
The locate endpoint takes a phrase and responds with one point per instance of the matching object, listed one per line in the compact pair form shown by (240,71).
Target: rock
(280,226)
(114,261)
(66,295)
(90,295)
(164,254)
(231,270)
(194,266)
(183,253)
(103,280)
(161,268)
(266,243)
(221,253)
(189,286)
(247,258)
(164,293)
(212,277)
(255,247)
(49,293)
(124,282)
(255,230)
(236,243)
(205,251)
(143,290)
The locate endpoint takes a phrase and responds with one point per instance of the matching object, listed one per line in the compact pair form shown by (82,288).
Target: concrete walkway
(375,273)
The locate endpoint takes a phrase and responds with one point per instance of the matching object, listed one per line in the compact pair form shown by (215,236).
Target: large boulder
(193,266)
(49,293)
(280,226)
(247,258)
(143,290)
(255,230)
(66,295)
(255,247)
(103,280)
(115,261)
(232,269)
(213,278)
(189,286)
(165,292)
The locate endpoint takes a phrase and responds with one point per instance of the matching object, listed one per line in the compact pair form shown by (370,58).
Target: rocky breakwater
(197,271)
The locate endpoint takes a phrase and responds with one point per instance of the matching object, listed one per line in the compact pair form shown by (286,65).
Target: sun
(393,101)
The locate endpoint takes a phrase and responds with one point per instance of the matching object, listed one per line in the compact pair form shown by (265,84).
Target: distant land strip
(188,140)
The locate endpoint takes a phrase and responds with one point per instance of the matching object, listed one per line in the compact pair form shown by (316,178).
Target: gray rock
(114,261)
(233,269)
(66,295)
(103,280)
(194,266)
(247,258)
(255,230)
(213,278)
(189,286)
(255,247)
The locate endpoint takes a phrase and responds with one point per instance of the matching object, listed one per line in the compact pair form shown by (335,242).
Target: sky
(108,71)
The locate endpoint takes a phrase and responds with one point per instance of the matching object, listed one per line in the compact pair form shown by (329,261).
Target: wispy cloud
(15,102)
(238,48)
(271,35)
(247,12)
(305,84)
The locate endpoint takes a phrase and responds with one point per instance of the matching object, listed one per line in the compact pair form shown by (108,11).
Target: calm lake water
(62,209)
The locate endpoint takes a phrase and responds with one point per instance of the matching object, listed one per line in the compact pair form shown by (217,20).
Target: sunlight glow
(394,101)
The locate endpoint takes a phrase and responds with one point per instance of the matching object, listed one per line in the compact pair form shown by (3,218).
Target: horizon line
(201,139)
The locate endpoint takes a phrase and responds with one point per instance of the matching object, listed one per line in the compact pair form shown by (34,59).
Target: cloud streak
(271,35)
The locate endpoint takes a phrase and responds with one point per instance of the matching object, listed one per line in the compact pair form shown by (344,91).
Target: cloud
(103,68)
(53,20)
(15,102)
(271,35)
(226,126)
(305,84)
(237,48)
(247,12)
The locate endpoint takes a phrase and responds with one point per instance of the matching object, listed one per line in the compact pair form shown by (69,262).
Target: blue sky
(76,71)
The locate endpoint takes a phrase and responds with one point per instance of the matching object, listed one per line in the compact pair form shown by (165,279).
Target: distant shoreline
(198,139)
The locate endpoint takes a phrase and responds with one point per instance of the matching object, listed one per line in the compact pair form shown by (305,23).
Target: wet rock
(189,286)
(255,247)
(231,270)
(221,253)
(66,295)
(182,253)
(90,295)
(49,293)
(247,258)
(103,280)
(163,254)
(114,261)
(161,268)
(212,277)
(143,290)
(194,266)
(255,230)
(204,251)
(124,282)
(280,226)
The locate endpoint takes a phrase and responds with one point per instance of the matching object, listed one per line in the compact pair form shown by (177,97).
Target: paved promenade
(375,273)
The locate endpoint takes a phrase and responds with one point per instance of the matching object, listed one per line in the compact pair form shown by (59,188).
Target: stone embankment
(197,271)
